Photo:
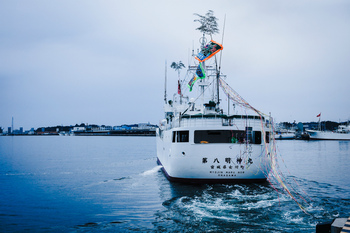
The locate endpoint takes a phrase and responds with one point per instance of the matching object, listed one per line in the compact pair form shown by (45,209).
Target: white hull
(210,162)
(327,135)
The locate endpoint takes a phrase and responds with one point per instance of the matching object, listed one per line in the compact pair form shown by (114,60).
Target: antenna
(189,56)
(218,72)
(192,48)
(165,98)
(222,41)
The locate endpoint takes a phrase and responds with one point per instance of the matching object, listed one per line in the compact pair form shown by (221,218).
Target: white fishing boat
(342,133)
(199,141)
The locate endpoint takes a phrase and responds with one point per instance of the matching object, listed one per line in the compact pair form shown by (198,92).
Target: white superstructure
(198,142)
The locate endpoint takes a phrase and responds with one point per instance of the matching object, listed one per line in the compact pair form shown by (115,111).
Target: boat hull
(211,162)
(320,135)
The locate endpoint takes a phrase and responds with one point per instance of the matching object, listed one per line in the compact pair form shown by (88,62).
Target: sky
(103,62)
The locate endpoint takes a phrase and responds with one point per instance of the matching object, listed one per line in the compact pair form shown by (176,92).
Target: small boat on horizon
(342,133)
(280,135)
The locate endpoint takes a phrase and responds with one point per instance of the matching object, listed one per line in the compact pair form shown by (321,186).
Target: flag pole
(319,122)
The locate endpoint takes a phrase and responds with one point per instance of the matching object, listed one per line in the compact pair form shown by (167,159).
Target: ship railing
(241,123)
(200,121)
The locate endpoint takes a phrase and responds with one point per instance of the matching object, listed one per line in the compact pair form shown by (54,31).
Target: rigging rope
(273,174)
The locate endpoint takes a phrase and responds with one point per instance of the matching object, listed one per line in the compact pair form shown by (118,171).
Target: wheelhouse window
(227,136)
(174,136)
(257,137)
(181,136)
(267,138)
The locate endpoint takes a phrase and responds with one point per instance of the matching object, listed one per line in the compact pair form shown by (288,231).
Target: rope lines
(272,171)
(234,96)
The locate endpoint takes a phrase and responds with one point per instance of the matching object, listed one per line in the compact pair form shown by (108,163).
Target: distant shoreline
(141,129)
(144,133)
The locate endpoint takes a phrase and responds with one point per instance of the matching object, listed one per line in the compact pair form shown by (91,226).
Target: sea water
(113,184)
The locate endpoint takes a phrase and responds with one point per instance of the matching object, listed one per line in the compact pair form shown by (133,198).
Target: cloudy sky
(102,62)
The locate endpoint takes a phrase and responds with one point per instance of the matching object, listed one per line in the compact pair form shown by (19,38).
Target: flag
(178,87)
(200,74)
(200,71)
(319,115)
(208,51)
(191,82)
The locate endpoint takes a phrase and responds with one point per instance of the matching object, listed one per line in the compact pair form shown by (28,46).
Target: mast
(203,41)
(165,82)
(319,123)
(209,26)
(217,87)
(228,106)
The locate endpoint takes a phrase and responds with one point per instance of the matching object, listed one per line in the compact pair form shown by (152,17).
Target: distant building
(31,131)
(105,128)
(92,128)
(117,128)
(126,127)
(78,129)
(146,126)
(9,131)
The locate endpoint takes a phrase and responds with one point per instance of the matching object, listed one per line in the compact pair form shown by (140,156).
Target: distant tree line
(325,125)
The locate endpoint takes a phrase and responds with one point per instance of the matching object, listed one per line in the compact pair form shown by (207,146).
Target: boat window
(267,138)
(182,136)
(257,137)
(174,136)
(227,136)
(211,136)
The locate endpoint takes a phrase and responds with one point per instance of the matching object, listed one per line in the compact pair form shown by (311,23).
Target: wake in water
(248,208)
(151,171)
(145,173)
(233,208)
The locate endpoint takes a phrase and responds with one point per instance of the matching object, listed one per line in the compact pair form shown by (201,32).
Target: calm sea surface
(112,184)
